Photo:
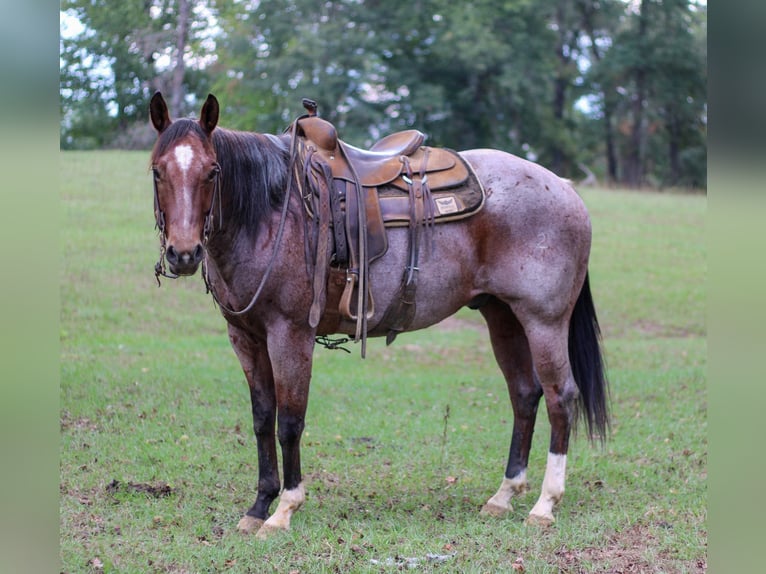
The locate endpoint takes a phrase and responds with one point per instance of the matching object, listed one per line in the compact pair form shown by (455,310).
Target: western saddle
(351,195)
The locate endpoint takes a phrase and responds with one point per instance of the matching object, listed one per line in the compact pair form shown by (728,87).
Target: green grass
(400,450)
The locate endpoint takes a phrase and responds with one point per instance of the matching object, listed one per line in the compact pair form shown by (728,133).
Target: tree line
(609,89)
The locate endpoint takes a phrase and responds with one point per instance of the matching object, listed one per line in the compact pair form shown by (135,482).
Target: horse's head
(185,172)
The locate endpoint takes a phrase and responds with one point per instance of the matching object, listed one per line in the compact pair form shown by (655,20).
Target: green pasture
(400,449)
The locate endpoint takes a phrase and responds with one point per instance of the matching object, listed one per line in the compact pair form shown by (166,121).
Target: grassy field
(401,449)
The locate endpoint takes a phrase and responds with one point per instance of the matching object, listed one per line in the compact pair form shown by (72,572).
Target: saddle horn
(311,106)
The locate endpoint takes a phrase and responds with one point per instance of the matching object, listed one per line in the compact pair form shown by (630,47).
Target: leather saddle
(354,194)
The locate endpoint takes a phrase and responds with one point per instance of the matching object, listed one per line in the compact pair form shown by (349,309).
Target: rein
(272,261)
(277,241)
(159,268)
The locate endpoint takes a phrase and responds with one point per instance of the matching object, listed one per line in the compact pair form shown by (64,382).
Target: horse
(228,201)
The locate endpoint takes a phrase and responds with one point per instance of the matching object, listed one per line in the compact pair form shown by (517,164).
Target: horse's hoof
(267,531)
(540,521)
(491,509)
(249,524)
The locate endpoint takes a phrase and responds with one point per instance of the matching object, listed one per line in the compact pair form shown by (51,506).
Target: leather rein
(159,268)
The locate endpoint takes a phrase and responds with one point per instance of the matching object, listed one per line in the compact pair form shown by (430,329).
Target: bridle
(207,228)
(159,215)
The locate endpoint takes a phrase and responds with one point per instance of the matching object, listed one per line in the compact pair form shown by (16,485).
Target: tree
(680,94)
(179,62)
(600,18)
(508,74)
(657,68)
(109,71)
(279,51)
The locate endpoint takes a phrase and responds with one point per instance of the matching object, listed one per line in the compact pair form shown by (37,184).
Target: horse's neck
(236,252)
(254,168)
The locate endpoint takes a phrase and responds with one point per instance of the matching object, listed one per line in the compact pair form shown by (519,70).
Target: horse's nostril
(197,255)
(172,255)
(184,261)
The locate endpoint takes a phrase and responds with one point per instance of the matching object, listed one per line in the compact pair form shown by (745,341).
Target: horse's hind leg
(549,347)
(257,367)
(511,349)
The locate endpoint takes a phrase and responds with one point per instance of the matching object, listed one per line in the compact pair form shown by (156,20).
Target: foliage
(617,86)
(279,51)
(658,64)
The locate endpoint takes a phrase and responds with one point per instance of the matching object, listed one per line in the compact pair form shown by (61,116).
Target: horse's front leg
(255,362)
(291,351)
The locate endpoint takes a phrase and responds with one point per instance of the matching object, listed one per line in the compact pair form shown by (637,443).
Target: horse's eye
(213,173)
(155,173)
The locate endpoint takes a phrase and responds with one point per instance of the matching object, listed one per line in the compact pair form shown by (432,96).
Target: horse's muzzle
(184,262)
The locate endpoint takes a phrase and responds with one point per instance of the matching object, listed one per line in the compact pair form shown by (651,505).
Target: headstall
(207,228)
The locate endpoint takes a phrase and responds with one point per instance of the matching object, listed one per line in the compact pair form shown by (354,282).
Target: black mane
(253,170)
(253,175)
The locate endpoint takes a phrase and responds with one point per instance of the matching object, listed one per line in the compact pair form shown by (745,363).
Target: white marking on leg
(500,503)
(289,502)
(553,489)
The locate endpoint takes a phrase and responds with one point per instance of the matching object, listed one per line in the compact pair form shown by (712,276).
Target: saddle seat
(372,168)
(381,163)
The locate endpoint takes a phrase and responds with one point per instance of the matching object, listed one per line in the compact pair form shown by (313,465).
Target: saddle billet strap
(309,201)
(401,312)
(429,214)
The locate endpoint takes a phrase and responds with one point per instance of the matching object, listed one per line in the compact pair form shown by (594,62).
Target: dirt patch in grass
(653,329)
(157,490)
(67,422)
(630,551)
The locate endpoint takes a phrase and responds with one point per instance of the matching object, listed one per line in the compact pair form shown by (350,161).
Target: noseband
(207,228)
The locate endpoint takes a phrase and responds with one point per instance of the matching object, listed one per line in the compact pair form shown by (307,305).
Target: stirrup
(345,300)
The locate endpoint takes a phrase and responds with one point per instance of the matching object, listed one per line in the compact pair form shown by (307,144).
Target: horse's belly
(445,279)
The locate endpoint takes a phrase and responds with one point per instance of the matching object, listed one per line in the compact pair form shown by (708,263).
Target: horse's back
(526,195)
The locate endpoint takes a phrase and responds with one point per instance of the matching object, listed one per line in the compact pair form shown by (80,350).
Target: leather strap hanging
(401,312)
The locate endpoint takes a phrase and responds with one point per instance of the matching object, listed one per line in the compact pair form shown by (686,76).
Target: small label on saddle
(446,205)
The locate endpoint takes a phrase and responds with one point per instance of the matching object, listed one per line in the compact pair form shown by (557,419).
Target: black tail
(588,367)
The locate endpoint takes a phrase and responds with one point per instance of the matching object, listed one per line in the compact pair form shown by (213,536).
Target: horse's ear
(158,111)
(208,118)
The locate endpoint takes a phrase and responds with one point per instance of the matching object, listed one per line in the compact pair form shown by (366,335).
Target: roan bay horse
(229,200)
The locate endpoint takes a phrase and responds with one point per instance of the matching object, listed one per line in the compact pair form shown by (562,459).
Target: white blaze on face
(184,157)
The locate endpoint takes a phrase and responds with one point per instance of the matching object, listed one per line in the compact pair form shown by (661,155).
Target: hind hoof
(267,531)
(540,521)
